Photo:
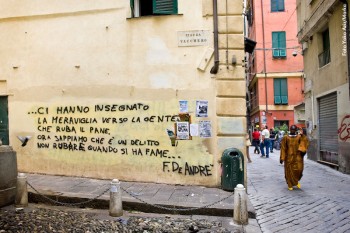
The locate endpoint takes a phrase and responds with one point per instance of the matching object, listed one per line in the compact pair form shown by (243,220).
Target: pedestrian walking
(248,144)
(265,142)
(293,149)
(272,139)
(256,140)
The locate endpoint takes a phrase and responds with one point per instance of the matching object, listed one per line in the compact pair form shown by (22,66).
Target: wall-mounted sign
(193,38)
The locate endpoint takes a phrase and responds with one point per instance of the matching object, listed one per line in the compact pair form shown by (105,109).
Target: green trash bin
(232,169)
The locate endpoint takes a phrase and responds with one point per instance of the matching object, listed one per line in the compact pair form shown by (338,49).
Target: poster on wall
(194,130)
(205,129)
(183,131)
(183,106)
(202,108)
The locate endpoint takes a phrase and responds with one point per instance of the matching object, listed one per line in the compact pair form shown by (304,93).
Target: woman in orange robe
(293,149)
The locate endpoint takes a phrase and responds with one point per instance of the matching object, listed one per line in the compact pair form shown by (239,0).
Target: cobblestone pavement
(322,204)
(43,218)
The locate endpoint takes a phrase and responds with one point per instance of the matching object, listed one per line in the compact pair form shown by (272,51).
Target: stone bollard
(115,201)
(240,212)
(21,199)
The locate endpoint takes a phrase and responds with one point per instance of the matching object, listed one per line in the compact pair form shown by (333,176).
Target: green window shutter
(132,6)
(278,100)
(282,44)
(279,44)
(280,5)
(165,7)
(277,91)
(275,40)
(284,99)
(284,91)
(277,5)
(274,5)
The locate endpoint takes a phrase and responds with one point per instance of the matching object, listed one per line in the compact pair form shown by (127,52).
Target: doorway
(4,126)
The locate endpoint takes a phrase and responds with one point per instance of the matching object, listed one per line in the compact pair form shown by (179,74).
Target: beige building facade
(323,31)
(118,89)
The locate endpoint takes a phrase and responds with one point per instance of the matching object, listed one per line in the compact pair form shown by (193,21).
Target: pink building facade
(275,68)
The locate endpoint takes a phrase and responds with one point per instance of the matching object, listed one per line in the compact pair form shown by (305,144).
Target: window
(153,7)
(280,91)
(277,5)
(280,124)
(279,44)
(325,56)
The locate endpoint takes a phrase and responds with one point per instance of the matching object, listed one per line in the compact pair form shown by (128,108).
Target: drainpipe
(347,39)
(264,50)
(215,68)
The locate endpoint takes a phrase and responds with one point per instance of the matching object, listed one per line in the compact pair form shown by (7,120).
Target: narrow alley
(321,205)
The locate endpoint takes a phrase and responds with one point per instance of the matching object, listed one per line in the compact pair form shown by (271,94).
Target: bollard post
(240,212)
(115,201)
(21,199)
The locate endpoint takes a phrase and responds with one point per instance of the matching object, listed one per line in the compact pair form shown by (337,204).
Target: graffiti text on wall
(105,129)
(344,129)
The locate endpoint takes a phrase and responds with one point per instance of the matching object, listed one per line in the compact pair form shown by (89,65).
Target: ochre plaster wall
(63,55)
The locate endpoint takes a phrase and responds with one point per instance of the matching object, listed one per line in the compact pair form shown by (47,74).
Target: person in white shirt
(265,137)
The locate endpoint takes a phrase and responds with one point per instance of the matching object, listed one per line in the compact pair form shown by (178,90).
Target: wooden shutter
(277,91)
(284,91)
(280,5)
(282,43)
(275,51)
(278,99)
(165,7)
(274,5)
(277,5)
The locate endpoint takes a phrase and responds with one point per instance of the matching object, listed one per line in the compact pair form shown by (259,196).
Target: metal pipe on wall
(264,50)
(215,68)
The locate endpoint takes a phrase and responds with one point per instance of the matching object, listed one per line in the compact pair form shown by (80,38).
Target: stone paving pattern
(66,189)
(322,204)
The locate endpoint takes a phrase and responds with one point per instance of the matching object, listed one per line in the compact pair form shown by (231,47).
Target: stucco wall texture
(96,90)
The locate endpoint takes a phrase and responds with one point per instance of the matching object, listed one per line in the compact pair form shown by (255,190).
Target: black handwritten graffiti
(187,169)
(104,128)
(344,129)
(121,108)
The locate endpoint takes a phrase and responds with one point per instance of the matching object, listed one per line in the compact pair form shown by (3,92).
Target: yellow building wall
(97,90)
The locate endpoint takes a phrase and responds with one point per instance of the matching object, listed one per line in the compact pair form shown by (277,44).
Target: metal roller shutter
(328,125)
